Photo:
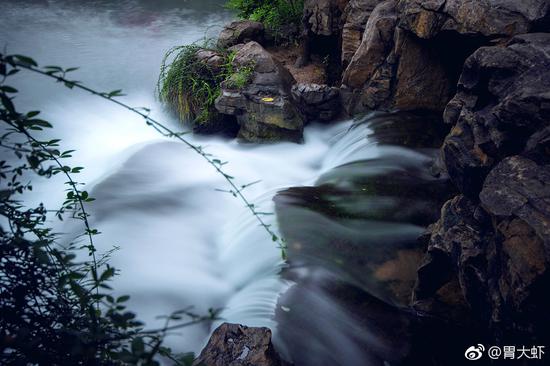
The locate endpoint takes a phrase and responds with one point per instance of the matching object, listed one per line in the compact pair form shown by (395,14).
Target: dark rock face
(263,107)
(354,19)
(492,244)
(488,18)
(520,187)
(497,252)
(453,277)
(502,108)
(241,31)
(237,345)
(392,69)
(317,102)
(322,17)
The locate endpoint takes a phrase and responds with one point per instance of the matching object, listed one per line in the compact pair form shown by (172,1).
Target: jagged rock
(456,251)
(263,107)
(393,70)
(486,270)
(520,187)
(322,17)
(241,31)
(354,20)
(317,102)
(501,109)
(237,345)
(488,18)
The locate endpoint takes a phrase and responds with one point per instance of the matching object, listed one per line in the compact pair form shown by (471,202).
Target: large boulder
(502,108)
(237,345)
(487,18)
(392,69)
(354,20)
(263,107)
(317,102)
(241,31)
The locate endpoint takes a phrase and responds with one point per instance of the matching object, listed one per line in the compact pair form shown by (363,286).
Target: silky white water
(181,242)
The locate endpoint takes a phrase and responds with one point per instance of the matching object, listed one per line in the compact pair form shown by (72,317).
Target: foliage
(190,86)
(55,309)
(274,14)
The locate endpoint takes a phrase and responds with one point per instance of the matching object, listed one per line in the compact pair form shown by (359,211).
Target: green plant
(189,86)
(54,309)
(274,14)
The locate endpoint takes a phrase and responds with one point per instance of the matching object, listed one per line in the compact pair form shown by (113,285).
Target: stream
(350,201)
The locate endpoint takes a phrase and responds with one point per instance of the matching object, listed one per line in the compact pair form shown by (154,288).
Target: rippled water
(184,243)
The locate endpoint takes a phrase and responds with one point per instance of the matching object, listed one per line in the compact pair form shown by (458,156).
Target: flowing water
(181,242)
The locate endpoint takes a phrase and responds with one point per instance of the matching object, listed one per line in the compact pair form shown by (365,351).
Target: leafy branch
(60,75)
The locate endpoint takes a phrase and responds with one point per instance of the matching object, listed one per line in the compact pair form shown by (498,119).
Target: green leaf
(123,298)
(138,347)
(8,89)
(27,61)
(108,273)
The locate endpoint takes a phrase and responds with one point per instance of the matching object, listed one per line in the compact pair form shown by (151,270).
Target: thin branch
(165,131)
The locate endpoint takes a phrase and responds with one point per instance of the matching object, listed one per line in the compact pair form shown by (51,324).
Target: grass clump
(190,86)
(274,14)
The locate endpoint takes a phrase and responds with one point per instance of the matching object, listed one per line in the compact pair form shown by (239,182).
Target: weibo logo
(474,352)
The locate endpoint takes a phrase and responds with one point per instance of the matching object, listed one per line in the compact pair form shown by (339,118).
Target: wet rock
(519,187)
(488,18)
(354,20)
(317,102)
(501,109)
(237,345)
(392,69)
(263,106)
(241,31)
(456,252)
(486,263)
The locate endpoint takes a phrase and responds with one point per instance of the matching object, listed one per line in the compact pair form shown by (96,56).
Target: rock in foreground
(237,345)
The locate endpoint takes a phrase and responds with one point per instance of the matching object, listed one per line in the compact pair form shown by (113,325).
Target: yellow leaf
(267,99)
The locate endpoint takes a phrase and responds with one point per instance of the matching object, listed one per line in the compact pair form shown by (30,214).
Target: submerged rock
(237,345)
(241,31)
(263,106)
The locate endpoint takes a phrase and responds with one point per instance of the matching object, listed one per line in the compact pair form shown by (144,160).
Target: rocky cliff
(485,67)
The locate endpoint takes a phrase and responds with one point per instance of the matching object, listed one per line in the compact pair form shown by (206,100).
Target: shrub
(273,14)
(55,310)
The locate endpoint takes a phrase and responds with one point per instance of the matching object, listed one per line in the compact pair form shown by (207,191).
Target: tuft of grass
(186,85)
(190,87)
